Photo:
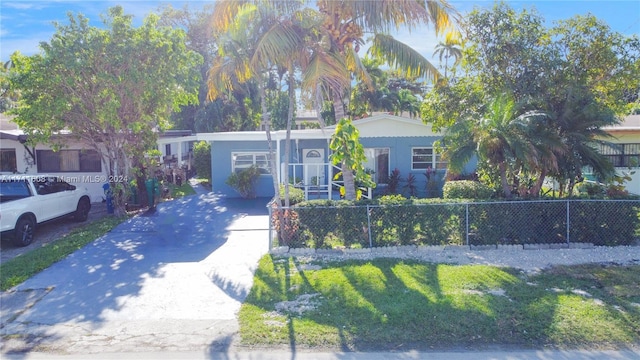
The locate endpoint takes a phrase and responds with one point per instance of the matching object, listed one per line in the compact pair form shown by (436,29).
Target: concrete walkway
(172,280)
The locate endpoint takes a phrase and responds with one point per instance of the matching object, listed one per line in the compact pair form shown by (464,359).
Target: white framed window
(378,163)
(69,161)
(243,160)
(426,157)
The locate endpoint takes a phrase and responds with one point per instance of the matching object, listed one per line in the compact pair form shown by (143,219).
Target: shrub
(296,195)
(394,182)
(202,159)
(466,189)
(244,182)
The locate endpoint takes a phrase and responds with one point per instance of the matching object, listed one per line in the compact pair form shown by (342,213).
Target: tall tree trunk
(273,167)
(287,145)
(535,190)
(349,183)
(347,174)
(503,179)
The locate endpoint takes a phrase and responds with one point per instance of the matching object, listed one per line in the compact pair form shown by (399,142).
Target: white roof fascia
(262,136)
(177,139)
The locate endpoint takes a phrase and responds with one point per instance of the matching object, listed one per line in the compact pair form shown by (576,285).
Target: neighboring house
(624,152)
(390,142)
(75,163)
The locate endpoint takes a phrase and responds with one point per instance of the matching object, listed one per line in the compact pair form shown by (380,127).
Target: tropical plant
(451,47)
(324,41)
(501,138)
(348,152)
(244,181)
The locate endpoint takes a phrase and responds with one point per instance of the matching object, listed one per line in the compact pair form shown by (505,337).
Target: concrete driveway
(173,280)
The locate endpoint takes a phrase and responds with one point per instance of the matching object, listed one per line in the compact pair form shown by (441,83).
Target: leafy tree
(202,159)
(110,87)
(575,76)
(8,97)
(348,152)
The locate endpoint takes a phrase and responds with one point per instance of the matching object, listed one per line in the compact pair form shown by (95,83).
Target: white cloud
(25,5)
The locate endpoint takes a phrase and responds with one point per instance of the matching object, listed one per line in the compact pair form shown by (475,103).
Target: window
(244,160)
(8,160)
(69,161)
(378,162)
(622,155)
(167,149)
(423,158)
(50,185)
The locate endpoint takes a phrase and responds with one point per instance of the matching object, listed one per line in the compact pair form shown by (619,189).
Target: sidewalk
(276,355)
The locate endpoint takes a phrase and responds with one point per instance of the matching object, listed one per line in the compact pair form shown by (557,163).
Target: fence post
(270,226)
(369,228)
(467,223)
(568,225)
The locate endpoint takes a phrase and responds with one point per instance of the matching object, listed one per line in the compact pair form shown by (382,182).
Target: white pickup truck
(28,200)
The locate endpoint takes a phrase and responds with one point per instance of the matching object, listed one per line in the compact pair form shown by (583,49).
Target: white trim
(253,154)
(375,160)
(434,154)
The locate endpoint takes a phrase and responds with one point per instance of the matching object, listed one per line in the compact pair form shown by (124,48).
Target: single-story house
(390,142)
(76,163)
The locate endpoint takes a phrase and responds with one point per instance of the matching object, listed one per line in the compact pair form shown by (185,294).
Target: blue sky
(24,24)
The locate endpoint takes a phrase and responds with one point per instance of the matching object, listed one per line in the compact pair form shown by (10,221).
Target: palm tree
(407,102)
(501,139)
(451,47)
(336,33)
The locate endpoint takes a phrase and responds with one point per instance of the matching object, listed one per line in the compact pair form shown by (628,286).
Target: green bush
(296,195)
(202,159)
(244,182)
(466,189)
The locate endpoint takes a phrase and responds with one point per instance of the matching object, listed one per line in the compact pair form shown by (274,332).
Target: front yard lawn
(390,304)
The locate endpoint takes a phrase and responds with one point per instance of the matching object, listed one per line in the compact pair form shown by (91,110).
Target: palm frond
(280,44)
(354,64)
(327,69)
(224,13)
(402,56)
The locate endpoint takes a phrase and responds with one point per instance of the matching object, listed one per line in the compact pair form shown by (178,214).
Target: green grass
(179,191)
(22,267)
(388,304)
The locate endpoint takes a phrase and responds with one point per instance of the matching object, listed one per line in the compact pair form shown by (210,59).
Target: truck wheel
(23,234)
(82,211)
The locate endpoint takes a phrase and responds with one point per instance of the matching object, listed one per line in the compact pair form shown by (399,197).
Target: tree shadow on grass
(392,305)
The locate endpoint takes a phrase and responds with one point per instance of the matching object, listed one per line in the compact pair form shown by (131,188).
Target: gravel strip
(528,260)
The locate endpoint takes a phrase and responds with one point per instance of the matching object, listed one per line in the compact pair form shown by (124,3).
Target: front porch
(316,180)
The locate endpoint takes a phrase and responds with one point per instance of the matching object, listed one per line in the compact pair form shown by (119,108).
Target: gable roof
(386,125)
(380,125)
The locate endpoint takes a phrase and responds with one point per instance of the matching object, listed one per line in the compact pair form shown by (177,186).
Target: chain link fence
(599,222)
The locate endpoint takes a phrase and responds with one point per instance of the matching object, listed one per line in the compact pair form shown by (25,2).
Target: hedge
(394,220)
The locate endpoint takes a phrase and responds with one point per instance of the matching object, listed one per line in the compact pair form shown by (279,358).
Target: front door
(314,172)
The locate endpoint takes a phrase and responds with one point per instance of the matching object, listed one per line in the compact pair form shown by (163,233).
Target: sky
(24,24)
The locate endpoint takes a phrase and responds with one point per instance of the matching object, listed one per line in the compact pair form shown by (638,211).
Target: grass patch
(179,191)
(390,304)
(22,267)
